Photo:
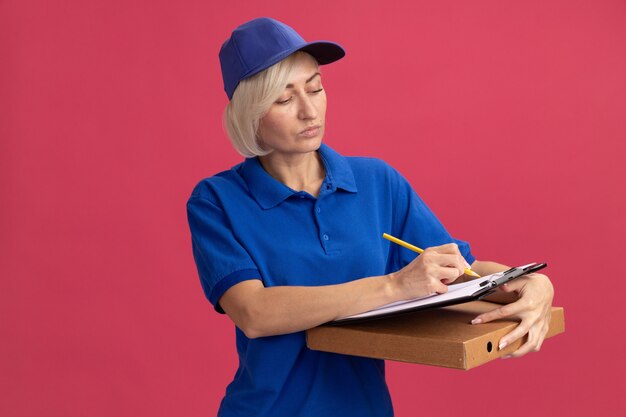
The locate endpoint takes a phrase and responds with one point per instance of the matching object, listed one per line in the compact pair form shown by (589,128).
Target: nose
(307,109)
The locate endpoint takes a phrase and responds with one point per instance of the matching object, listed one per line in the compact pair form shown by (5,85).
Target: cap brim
(324,52)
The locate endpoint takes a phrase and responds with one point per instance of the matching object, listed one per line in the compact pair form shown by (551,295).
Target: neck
(300,172)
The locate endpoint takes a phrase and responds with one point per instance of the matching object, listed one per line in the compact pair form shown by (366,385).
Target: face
(295,122)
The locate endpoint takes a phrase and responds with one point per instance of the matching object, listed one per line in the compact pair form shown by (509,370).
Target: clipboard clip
(509,275)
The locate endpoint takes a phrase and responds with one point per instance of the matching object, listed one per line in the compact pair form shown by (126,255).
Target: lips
(311,131)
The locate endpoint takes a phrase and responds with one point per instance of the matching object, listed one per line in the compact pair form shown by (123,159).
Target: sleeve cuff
(228,281)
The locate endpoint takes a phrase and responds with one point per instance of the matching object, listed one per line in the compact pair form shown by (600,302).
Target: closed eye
(283,101)
(290,98)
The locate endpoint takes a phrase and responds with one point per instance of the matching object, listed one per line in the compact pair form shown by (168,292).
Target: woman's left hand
(534,309)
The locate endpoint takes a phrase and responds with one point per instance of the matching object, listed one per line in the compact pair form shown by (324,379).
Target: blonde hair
(251,100)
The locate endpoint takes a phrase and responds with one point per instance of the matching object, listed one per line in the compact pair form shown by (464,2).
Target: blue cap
(261,43)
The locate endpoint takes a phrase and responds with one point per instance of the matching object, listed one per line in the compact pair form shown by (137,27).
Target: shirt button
(325,237)
(318,209)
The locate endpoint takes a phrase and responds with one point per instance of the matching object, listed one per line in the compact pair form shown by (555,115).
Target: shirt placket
(324,233)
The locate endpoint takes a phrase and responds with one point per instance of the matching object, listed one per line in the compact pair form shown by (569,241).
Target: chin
(306,144)
(313,144)
(300,146)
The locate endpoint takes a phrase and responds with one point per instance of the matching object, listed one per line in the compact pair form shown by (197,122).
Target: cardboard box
(440,336)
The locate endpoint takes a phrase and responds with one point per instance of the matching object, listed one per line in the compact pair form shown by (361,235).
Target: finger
(542,335)
(463,262)
(441,258)
(520,331)
(442,267)
(439,287)
(449,248)
(544,332)
(444,275)
(523,350)
(447,275)
(447,281)
(451,261)
(539,344)
(531,344)
(500,312)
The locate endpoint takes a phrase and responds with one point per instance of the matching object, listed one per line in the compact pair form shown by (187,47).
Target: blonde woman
(290,238)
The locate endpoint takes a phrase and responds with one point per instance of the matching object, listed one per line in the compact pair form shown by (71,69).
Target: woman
(290,239)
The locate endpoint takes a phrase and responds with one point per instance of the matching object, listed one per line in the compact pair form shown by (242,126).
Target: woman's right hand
(430,272)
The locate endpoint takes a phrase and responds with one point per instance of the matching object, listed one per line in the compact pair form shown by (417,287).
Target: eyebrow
(306,82)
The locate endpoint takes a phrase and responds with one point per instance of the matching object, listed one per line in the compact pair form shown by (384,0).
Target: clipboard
(473,290)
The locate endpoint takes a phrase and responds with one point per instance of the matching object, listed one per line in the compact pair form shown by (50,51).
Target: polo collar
(338,171)
(269,192)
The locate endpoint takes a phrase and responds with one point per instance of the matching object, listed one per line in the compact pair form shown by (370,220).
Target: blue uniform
(247,225)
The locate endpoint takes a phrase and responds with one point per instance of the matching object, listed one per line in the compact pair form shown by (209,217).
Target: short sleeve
(414,222)
(221,260)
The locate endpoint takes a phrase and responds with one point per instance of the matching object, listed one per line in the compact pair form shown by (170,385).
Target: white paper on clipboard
(457,293)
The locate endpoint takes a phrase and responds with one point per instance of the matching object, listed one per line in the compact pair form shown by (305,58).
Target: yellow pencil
(418,250)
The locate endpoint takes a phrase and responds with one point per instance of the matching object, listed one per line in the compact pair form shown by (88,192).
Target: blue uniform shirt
(247,225)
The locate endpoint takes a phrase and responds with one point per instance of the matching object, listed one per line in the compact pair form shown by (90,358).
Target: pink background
(508,118)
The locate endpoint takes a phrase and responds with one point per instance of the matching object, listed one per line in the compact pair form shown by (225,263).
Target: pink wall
(508,117)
